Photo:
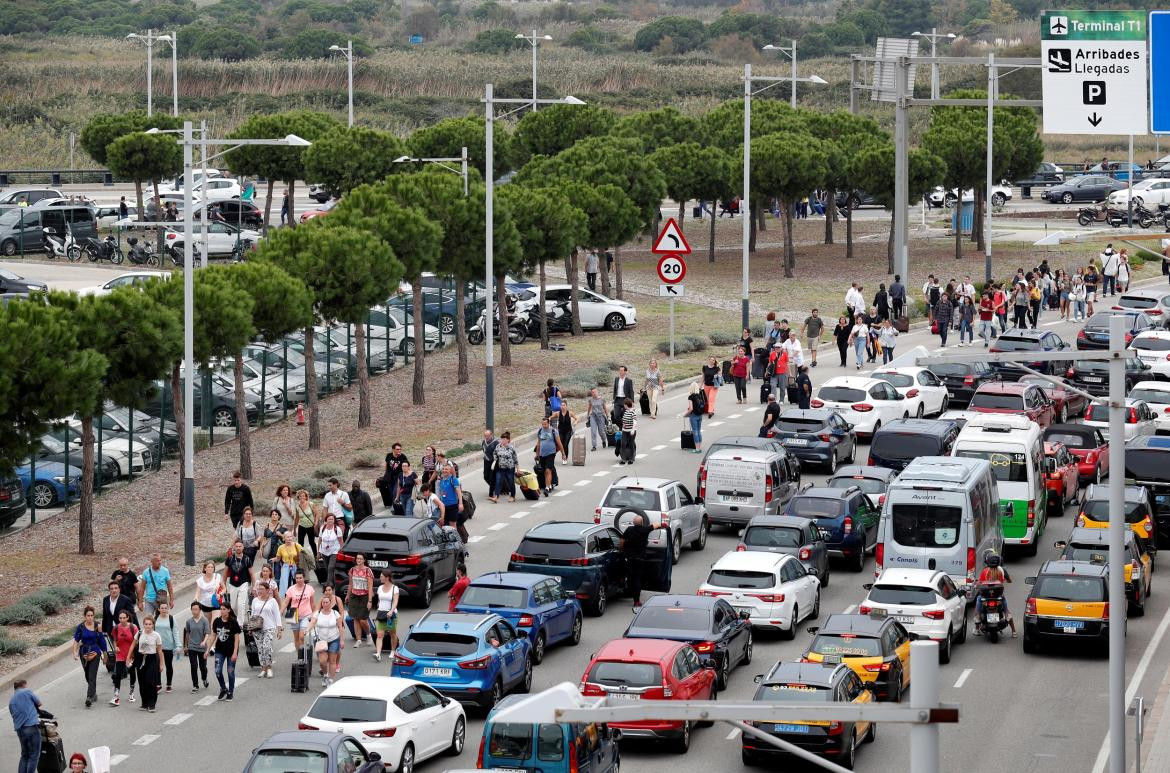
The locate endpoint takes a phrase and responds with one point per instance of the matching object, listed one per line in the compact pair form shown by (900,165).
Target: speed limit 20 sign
(672,268)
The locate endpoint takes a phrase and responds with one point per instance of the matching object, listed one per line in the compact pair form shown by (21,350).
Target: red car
(655,669)
(1087,444)
(1066,404)
(1013,397)
(1061,476)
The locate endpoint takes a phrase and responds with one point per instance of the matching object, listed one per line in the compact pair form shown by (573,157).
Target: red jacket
(456,592)
(739,367)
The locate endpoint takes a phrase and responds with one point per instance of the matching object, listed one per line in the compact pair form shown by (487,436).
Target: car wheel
(224,417)
(615,321)
(1137,607)
(871,734)
(998,199)
(406,348)
(600,602)
(447,324)
(675,548)
(946,403)
(428,591)
(849,759)
(475,337)
(816,611)
(1138,201)
(1097,474)
(749,759)
(852,454)
(747,649)
(896,687)
(575,636)
(406,764)
(1066,198)
(8,248)
(458,738)
(920,411)
(825,576)
(832,461)
(495,696)
(701,540)
(905,414)
(1030,647)
(723,673)
(858,563)
(43,494)
(944,652)
(526,680)
(962,638)
(683,744)
(538,646)
(790,632)
(1063,413)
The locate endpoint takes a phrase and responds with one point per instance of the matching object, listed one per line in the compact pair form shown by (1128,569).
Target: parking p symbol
(1093,92)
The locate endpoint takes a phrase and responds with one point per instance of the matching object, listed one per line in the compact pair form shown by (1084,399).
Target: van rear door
(735,482)
(927,531)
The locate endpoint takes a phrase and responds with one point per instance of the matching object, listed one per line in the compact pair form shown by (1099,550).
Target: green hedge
(9,645)
(683,345)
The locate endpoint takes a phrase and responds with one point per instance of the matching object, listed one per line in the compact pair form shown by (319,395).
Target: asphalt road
(1019,713)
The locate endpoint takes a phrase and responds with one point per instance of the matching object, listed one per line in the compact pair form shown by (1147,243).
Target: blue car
(475,659)
(847,520)
(534,603)
(53,486)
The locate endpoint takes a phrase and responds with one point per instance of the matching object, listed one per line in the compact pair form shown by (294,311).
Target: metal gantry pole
(1129,186)
(924,739)
(534,71)
(463,168)
(1117,527)
(792,96)
(149,72)
(901,177)
(188,355)
(852,86)
(175,73)
(349,73)
(489,349)
(934,79)
(991,88)
(744,203)
(202,187)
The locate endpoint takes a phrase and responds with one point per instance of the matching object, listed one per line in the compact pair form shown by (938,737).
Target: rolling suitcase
(299,673)
(793,393)
(579,451)
(250,648)
(759,363)
(765,390)
(644,403)
(687,440)
(727,372)
(52,759)
(902,324)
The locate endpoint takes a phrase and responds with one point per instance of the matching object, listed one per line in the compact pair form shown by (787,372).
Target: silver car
(663,502)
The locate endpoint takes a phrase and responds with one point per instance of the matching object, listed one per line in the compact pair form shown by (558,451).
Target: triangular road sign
(670,240)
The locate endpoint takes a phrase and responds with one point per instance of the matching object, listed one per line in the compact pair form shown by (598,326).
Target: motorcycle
(992,616)
(56,247)
(107,249)
(1114,217)
(1144,217)
(517,328)
(141,255)
(560,320)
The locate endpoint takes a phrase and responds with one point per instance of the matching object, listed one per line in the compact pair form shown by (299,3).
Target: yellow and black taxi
(830,681)
(1139,509)
(876,647)
(1069,602)
(1092,545)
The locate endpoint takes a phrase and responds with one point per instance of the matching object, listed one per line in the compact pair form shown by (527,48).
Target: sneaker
(205,684)
(222,694)
(88,703)
(115,701)
(168,688)
(131,694)
(151,710)
(230,695)
(358,642)
(195,689)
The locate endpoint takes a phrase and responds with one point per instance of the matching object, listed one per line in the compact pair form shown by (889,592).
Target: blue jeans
(965,330)
(407,506)
(942,332)
(1078,309)
(1110,286)
(697,428)
(986,331)
(30,748)
(859,350)
(506,481)
(887,354)
(220,660)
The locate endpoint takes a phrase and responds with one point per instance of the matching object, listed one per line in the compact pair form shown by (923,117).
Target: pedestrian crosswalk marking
(497,526)
(641,456)
(476,538)
(210,699)
(735,415)
(714,424)
(145,740)
(520,514)
(118,759)
(241,679)
(658,447)
(178,719)
(562,493)
(540,504)
(585,482)
(674,440)
(600,474)
(290,647)
(753,409)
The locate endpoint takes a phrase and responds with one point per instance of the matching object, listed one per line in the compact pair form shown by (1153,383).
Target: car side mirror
(812,629)
(758,678)
(1029,580)
(916,637)
(699,501)
(1060,544)
(709,665)
(521,633)
(745,615)
(740,533)
(867,585)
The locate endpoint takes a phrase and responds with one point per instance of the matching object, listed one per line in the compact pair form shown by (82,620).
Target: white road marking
(585,482)
(849,609)
(714,424)
(497,526)
(476,538)
(658,447)
(753,409)
(118,759)
(641,456)
(733,734)
(1050,324)
(145,740)
(210,699)
(600,474)
(562,493)
(616,464)
(963,677)
(290,647)
(520,514)
(241,679)
(178,719)
(1135,682)
(540,504)
(735,416)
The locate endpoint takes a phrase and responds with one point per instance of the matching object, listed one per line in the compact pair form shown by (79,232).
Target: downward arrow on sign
(1094,118)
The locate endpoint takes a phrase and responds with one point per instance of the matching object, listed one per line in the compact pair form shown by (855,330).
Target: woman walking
(124,634)
(357,598)
(746,340)
(694,414)
(1076,296)
(287,562)
(407,480)
(505,465)
(89,647)
(249,533)
(285,504)
(1062,291)
(1092,282)
(888,338)
(273,536)
(1035,299)
(326,624)
(1123,271)
(740,370)
(966,321)
(165,625)
(710,370)
(306,521)
(385,599)
(597,418)
(266,625)
(209,590)
(654,387)
(330,539)
(841,334)
(225,632)
(858,337)
(146,651)
(548,445)
(944,313)
(565,421)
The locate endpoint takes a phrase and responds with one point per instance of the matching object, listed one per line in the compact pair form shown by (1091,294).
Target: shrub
(23,612)
(226,44)
(327,471)
(55,597)
(591,39)
(56,639)
(315,486)
(761,29)
(757,331)
(10,646)
(578,383)
(685,34)
(495,42)
(314,44)
(724,339)
(845,34)
(463,450)
(367,460)
(683,345)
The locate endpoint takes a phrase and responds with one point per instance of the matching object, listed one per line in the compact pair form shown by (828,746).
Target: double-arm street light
(534,41)
(442,162)
(150,39)
(790,52)
(490,102)
(934,36)
(347,52)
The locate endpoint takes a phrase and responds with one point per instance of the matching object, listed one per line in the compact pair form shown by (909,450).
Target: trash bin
(1025,191)
(963,216)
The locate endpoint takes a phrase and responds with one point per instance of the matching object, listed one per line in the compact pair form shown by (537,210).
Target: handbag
(382,616)
(934,327)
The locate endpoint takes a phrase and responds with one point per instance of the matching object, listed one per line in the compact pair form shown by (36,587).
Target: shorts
(810,344)
(208,610)
(333,646)
(390,624)
(1091,297)
(357,606)
(301,624)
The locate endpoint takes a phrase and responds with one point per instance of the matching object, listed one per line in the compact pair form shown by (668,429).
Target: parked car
(1020,340)
(1118,170)
(1095,333)
(1148,193)
(54,484)
(222,239)
(12,501)
(926,603)
(128,279)
(214,188)
(873,480)
(403,720)
(718,633)
(22,228)
(1156,394)
(13,196)
(1092,376)
(1020,399)
(926,394)
(941,197)
(790,535)
(962,379)
(903,440)
(816,436)
(108,217)
(597,311)
(866,403)
(421,556)
(401,335)
(308,750)
(662,501)
(142,426)
(854,199)
(847,519)
(241,214)
(535,603)
(1047,173)
(1065,402)
(1139,419)
(1087,444)
(1088,187)
(1062,477)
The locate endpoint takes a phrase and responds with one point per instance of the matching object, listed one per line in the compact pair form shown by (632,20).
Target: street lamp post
(490,102)
(442,162)
(534,41)
(174,41)
(348,53)
(934,36)
(150,39)
(744,201)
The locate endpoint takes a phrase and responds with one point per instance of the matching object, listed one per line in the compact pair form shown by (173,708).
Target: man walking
(363,506)
(284,208)
(239,577)
(1109,263)
(22,707)
(391,475)
(338,503)
(451,495)
(634,541)
(898,297)
(236,498)
(629,448)
(115,604)
(803,389)
(623,388)
(154,587)
(126,578)
(488,447)
(123,209)
(811,331)
(592,268)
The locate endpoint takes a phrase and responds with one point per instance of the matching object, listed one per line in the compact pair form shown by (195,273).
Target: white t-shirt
(149,643)
(967,290)
(860,332)
(207,588)
(386,600)
(333,502)
(329,541)
(269,609)
(328,628)
(795,353)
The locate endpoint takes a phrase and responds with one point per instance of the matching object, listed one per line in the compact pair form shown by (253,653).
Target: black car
(1089,187)
(15,283)
(1147,463)
(871,479)
(12,502)
(420,555)
(854,199)
(790,535)
(1095,333)
(222,404)
(718,633)
(1092,376)
(1029,341)
(145,427)
(242,214)
(962,379)
(903,440)
(816,436)
(1047,173)
(749,441)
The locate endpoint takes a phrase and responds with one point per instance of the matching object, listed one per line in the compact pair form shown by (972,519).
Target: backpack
(701,402)
(554,400)
(935,294)
(468,505)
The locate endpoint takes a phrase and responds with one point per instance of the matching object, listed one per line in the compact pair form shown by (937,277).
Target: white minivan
(737,484)
(941,513)
(1014,445)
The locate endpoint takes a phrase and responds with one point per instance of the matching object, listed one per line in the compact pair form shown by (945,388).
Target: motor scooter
(56,247)
(992,616)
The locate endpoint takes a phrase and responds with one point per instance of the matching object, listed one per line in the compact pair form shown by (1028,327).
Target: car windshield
(773,537)
(1099,320)
(289,761)
(796,424)
(1147,464)
(510,740)
(1043,383)
(347,708)
(926,526)
(619,674)
(897,379)
(441,645)
(495,596)
(1072,439)
(846,644)
(550,548)
(1008,467)
(903,595)
(951,369)
(999,402)
(794,693)
(1098,510)
(1152,344)
(815,507)
(1010,344)
(13,216)
(841,394)
(673,618)
(643,499)
(741,579)
(1137,302)
(868,485)
(52,444)
(904,445)
(1062,588)
(1159,396)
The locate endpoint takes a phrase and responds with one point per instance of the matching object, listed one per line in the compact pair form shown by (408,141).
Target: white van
(1014,445)
(941,513)
(738,484)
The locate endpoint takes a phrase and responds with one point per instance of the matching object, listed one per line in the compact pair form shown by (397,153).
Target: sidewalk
(1156,754)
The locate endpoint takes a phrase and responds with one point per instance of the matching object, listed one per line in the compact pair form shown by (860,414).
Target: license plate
(795,441)
(993,617)
(904,618)
(429,671)
(749,610)
(379,564)
(1070,626)
(786,728)
(1094,379)
(623,697)
(512,770)
(738,500)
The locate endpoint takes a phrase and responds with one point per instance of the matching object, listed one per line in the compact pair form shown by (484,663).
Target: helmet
(133,241)
(992,559)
